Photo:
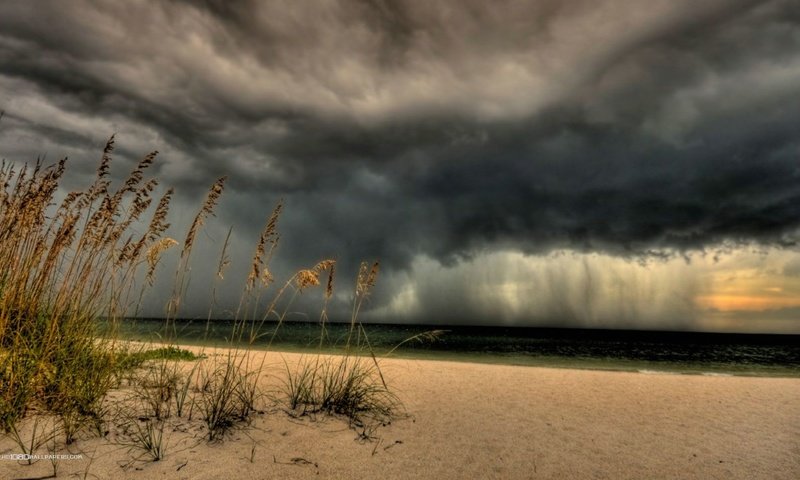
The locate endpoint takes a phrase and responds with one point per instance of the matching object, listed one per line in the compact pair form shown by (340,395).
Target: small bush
(155,387)
(127,360)
(145,436)
(345,385)
(227,396)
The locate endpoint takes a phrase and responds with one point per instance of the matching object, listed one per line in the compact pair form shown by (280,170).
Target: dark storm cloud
(397,129)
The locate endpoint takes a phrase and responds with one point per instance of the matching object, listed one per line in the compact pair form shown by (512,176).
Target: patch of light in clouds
(730,291)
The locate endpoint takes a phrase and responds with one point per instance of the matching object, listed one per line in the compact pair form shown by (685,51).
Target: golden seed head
(266,277)
(329,286)
(324,265)
(307,278)
(154,254)
(366,278)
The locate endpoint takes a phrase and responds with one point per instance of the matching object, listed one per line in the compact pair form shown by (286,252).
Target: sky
(605,163)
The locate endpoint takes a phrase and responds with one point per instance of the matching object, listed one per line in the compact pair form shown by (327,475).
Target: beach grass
(62,265)
(69,260)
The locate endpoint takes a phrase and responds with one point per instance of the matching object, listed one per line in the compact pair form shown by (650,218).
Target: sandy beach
(465,420)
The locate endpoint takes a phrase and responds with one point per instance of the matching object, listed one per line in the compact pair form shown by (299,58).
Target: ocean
(647,352)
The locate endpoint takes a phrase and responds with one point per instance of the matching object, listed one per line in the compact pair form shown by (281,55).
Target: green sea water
(642,351)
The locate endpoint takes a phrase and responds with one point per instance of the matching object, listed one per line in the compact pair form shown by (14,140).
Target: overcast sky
(610,163)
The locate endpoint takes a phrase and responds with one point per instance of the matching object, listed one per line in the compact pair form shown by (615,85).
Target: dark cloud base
(399,129)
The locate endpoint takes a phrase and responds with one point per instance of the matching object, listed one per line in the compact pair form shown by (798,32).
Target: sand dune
(468,420)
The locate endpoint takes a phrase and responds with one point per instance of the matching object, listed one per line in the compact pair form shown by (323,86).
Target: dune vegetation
(68,260)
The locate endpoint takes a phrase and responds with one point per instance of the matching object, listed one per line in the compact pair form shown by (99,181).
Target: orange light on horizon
(745,302)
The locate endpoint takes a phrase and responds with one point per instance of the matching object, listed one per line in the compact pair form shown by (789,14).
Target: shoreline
(519,360)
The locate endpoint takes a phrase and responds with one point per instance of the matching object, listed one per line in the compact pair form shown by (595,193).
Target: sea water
(647,352)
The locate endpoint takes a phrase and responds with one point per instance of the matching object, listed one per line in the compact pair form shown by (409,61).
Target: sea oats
(154,254)
(105,162)
(137,174)
(361,278)
(158,224)
(306,278)
(205,211)
(329,286)
(101,183)
(324,265)
(269,236)
(367,277)
(266,277)
(224,260)
(257,261)
(372,278)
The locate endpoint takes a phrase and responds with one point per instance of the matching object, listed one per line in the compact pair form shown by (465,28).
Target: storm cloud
(444,131)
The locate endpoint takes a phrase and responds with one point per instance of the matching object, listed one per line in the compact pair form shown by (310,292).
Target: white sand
(493,421)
